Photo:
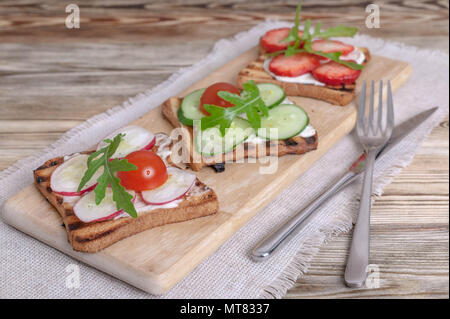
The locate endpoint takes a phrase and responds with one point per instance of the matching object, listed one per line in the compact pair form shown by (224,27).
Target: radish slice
(150,145)
(136,138)
(87,211)
(66,177)
(177,184)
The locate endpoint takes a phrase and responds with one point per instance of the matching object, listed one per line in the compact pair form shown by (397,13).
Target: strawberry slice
(272,40)
(333,73)
(328,46)
(294,65)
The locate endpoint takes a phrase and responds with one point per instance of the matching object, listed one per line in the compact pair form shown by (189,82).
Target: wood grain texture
(132,45)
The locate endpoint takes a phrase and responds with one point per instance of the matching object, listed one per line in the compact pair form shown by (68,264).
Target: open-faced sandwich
(126,186)
(308,62)
(223,124)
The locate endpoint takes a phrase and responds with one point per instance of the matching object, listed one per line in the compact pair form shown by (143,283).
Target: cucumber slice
(184,120)
(211,142)
(190,108)
(288,120)
(271,94)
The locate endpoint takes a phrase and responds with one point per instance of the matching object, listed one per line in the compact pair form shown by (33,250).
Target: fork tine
(361,110)
(370,124)
(380,109)
(390,114)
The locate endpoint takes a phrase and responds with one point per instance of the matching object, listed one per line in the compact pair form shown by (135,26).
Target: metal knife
(264,249)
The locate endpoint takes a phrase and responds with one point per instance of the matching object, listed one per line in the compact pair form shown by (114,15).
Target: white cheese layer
(356,55)
(306,78)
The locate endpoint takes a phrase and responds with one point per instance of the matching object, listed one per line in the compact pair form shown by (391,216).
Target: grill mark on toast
(75,225)
(40,179)
(69,212)
(50,163)
(291,142)
(310,140)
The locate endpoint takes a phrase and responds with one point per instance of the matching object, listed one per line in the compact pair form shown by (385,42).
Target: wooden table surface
(53,78)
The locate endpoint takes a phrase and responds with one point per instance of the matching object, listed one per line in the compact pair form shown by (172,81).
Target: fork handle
(358,260)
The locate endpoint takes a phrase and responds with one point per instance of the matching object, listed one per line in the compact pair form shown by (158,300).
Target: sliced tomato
(272,40)
(294,65)
(151,171)
(210,95)
(329,46)
(333,73)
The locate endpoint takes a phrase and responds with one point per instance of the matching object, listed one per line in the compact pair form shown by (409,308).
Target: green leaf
(101,158)
(335,56)
(308,37)
(317,29)
(292,50)
(297,17)
(290,38)
(338,31)
(293,38)
(248,102)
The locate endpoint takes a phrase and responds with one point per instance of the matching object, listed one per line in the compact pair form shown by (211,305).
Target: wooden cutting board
(158,258)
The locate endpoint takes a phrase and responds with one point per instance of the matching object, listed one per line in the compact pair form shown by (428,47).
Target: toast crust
(294,145)
(338,95)
(95,236)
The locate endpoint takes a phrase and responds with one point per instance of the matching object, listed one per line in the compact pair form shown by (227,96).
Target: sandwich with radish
(125,186)
(309,62)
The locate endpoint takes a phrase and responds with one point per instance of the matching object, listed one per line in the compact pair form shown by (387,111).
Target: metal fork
(372,136)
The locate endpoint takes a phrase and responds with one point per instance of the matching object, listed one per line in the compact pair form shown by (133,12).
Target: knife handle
(264,249)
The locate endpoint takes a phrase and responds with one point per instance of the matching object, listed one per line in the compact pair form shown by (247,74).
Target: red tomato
(151,171)
(210,95)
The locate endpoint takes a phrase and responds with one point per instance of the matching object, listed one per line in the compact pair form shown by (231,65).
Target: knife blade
(399,133)
(274,240)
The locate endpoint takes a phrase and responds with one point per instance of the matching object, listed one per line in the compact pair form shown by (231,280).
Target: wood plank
(208,21)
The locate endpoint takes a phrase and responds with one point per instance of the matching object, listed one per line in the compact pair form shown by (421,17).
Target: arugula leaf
(307,38)
(334,56)
(101,158)
(338,31)
(293,32)
(317,28)
(249,102)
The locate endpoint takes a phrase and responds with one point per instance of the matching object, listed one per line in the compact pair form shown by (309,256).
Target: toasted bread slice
(294,145)
(92,237)
(338,95)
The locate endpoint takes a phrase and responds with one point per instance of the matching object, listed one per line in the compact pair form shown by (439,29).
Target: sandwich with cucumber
(309,62)
(224,124)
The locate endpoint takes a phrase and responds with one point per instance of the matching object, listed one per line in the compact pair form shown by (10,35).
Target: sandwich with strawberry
(309,62)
